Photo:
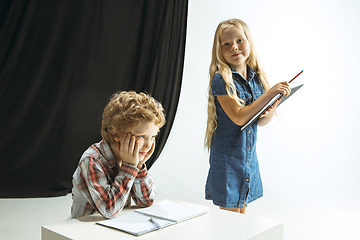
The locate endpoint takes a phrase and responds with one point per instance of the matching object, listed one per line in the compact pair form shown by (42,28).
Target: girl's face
(235,47)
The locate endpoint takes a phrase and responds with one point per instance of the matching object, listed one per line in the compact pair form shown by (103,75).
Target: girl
(238,90)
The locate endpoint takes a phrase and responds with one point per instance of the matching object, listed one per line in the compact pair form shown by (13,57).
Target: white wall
(309,154)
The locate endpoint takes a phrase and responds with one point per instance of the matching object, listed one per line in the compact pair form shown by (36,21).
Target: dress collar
(251,73)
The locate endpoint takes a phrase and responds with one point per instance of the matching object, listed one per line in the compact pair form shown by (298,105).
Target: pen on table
(296,76)
(156,223)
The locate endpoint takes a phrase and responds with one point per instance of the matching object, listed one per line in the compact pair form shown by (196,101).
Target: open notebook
(160,215)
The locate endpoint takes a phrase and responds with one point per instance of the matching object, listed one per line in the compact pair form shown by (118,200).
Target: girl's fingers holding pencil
(285,88)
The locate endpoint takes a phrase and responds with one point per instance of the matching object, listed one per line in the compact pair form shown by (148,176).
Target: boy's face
(145,134)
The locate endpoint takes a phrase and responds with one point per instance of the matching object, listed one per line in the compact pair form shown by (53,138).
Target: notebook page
(134,223)
(171,211)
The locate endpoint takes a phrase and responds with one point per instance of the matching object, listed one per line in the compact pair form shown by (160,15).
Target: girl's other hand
(271,108)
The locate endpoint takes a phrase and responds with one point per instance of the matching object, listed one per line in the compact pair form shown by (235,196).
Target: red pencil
(296,76)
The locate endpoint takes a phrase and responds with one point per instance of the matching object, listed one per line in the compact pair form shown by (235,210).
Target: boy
(114,169)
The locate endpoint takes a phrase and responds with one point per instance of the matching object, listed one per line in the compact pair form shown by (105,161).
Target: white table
(216,224)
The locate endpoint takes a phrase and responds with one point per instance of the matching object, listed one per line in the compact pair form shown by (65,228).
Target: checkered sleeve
(143,190)
(107,197)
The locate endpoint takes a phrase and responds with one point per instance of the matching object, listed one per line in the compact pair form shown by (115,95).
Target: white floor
(23,218)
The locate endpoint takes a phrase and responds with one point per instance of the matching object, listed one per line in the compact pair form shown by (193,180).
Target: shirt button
(247,180)
(249,148)
(247,163)
(249,131)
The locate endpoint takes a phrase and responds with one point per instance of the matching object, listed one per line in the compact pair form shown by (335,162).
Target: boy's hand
(147,156)
(129,150)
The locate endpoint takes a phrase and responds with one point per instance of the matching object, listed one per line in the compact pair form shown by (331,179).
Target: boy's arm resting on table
(110,199)
(143,189)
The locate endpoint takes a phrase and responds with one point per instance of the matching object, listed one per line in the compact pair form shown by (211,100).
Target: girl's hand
(271,108)
(129,150)
(281,87)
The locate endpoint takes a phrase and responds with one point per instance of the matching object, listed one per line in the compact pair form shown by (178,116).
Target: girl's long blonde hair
(219,65)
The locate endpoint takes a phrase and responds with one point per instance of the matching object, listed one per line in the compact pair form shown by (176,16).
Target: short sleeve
(218,86)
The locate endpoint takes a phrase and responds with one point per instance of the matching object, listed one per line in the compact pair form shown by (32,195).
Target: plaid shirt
(100,184)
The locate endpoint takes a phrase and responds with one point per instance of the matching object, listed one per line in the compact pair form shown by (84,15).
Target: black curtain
(60,61)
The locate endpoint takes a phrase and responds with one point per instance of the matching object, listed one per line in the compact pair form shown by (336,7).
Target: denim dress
(234,175)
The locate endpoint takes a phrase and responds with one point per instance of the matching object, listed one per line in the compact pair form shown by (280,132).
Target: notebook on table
(157,216)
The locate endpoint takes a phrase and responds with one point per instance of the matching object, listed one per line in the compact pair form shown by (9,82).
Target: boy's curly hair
(125,110)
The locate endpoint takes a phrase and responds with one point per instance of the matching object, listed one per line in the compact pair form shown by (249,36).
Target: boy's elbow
(145,202)
(151,198)
(109,214)
(150,202)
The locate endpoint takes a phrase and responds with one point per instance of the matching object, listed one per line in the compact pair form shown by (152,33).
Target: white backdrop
(308,155)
